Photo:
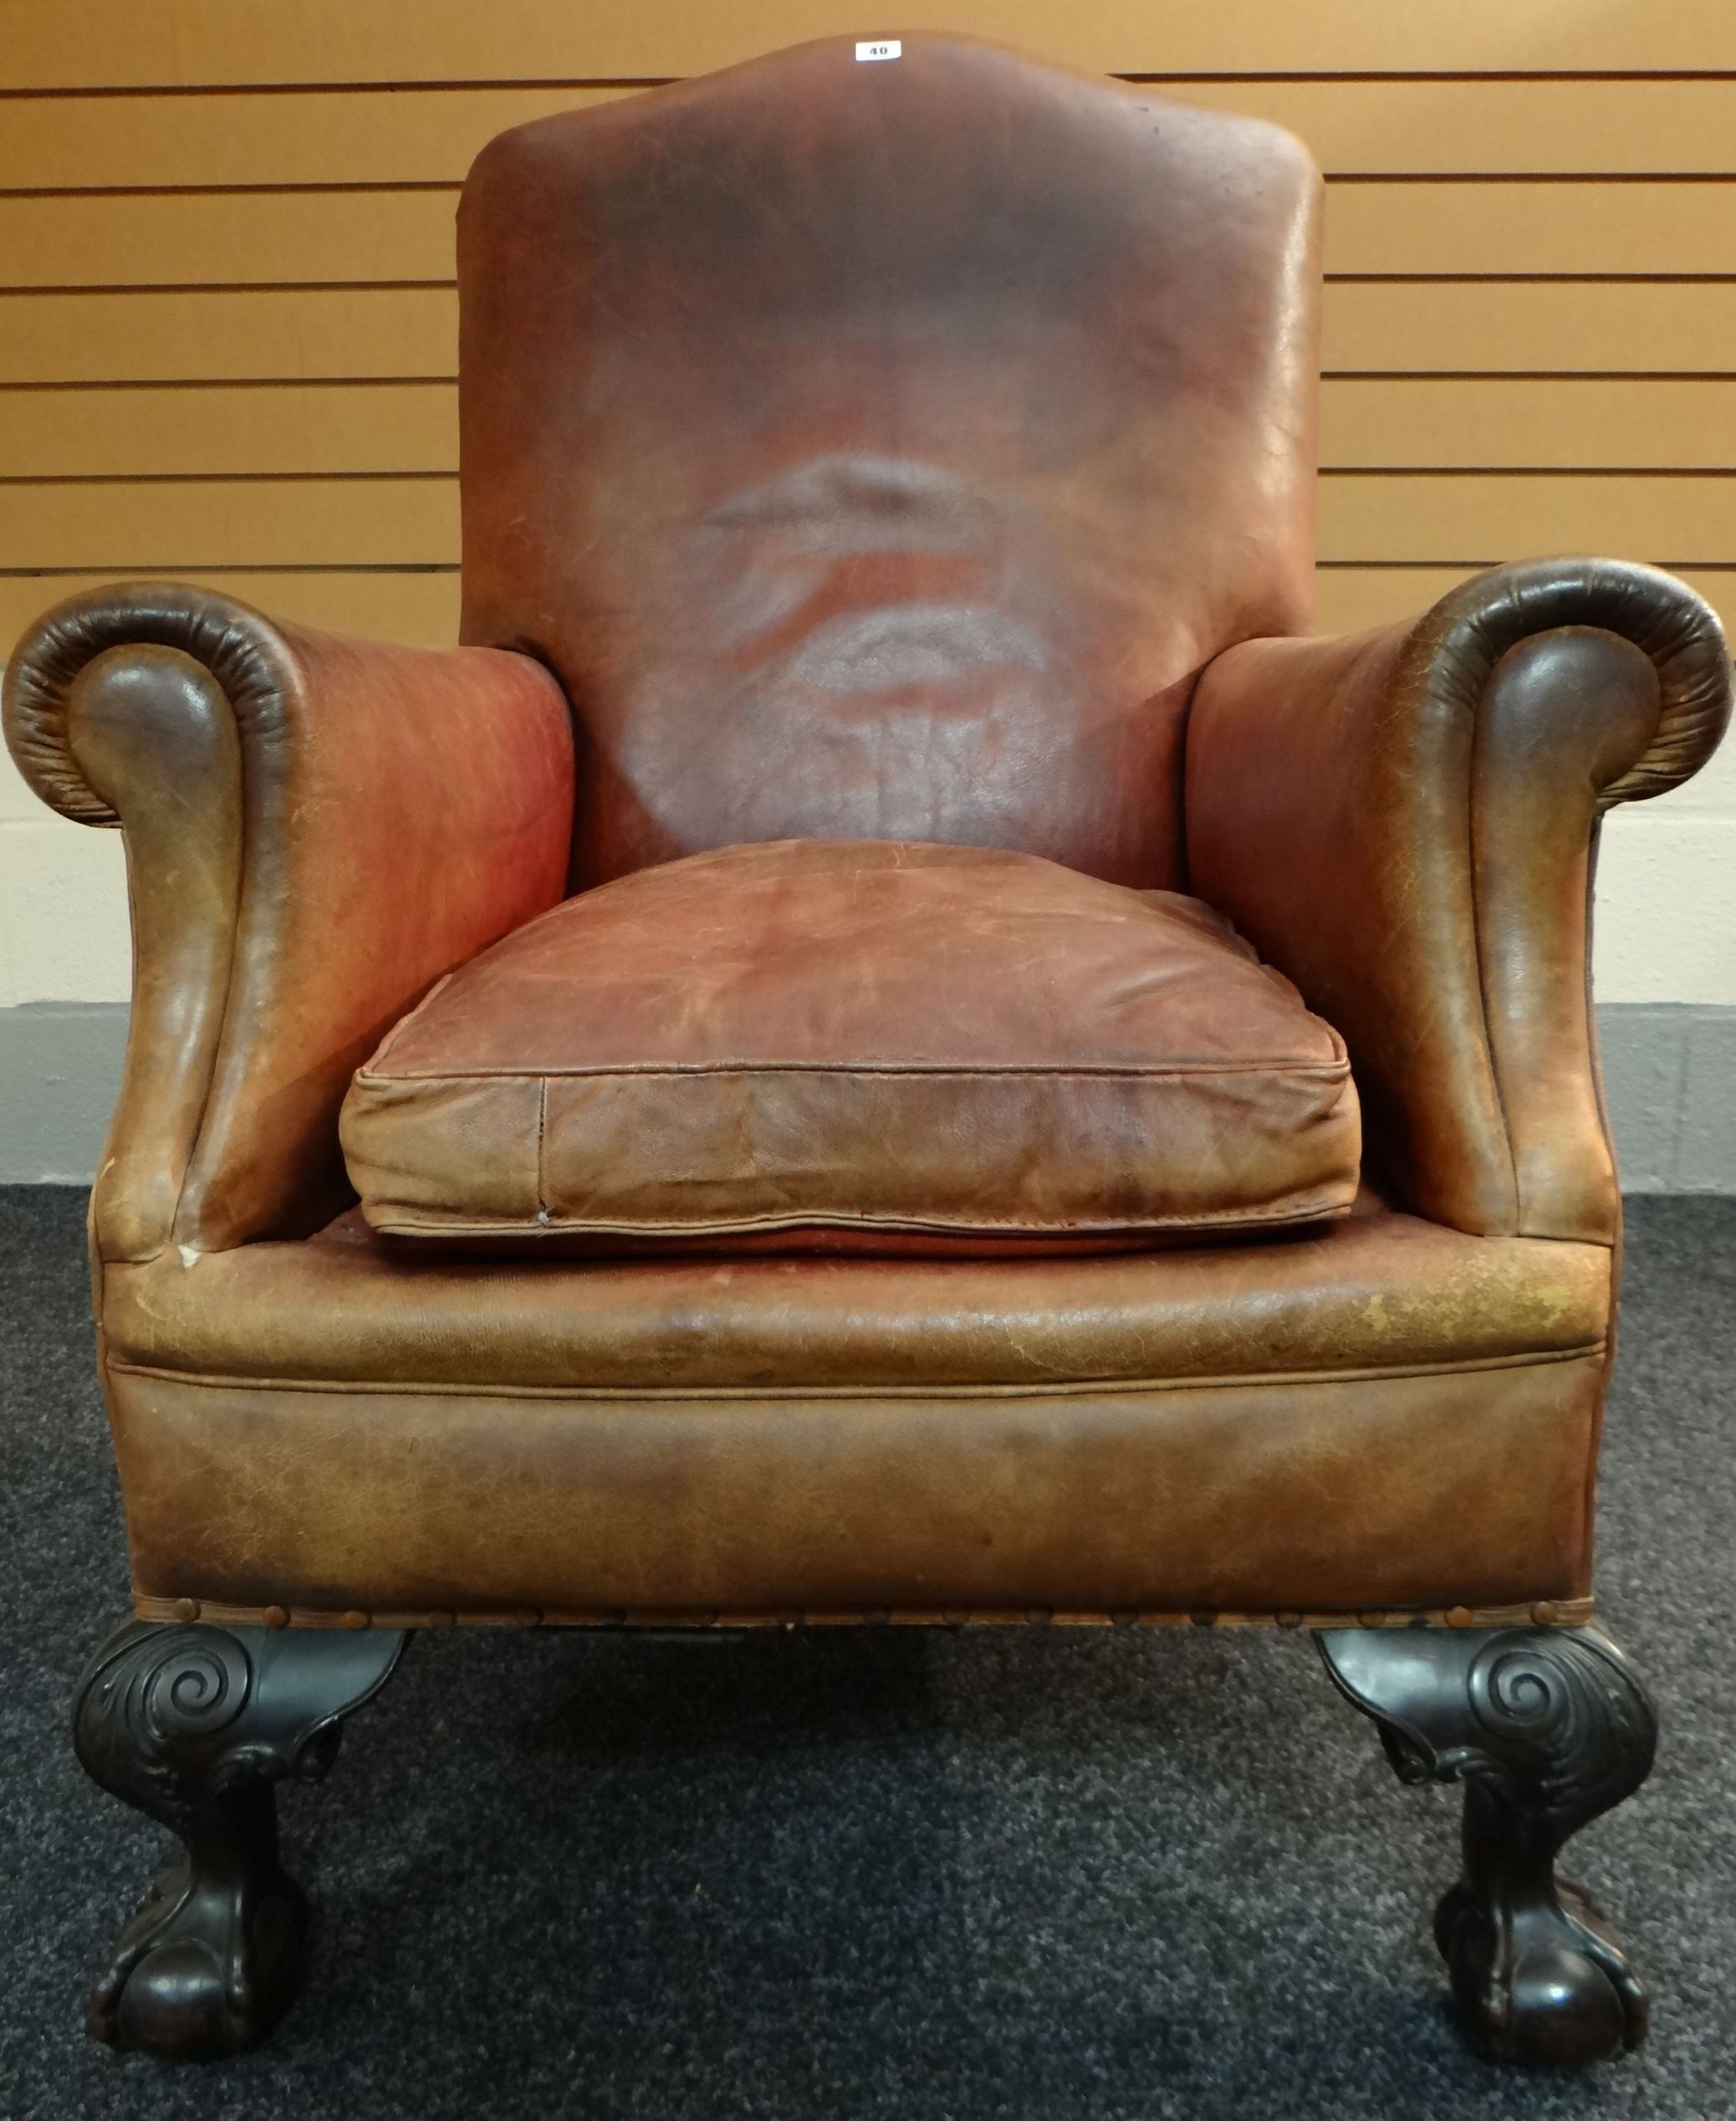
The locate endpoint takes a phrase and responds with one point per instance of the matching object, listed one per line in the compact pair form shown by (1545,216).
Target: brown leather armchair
(888,494)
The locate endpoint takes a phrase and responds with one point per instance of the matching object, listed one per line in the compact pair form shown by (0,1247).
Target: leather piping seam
(1070,1388)
(1333,1070)
(1544,1612)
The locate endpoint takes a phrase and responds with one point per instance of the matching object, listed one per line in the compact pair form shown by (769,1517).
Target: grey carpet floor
(888,1875)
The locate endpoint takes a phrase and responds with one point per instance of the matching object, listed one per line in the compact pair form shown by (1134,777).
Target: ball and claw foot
(204,1968)
(1546,1728)
(194,1725)
(1558,1991)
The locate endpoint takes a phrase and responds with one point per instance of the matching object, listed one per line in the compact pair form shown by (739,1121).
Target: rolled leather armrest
(316,829)
(1405,822)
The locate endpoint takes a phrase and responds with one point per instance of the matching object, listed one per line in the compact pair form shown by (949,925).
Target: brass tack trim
(1542,1612)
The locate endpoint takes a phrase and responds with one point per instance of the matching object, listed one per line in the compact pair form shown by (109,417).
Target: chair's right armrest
(1405,822)
(316,829)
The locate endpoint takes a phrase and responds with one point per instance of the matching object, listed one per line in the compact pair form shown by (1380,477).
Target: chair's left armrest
(1405,823)
(316,829)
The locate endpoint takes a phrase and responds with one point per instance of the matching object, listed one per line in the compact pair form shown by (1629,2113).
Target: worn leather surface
(1385,1412)
(1404,821)
(863,1038)
(1461,1486)
(1377,1293)
(878,451)
(316,829)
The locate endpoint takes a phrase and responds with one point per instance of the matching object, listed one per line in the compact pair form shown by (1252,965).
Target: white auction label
(880,48)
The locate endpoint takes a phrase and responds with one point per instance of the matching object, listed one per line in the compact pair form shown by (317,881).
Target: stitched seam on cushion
(819,1219)
(1046,1388)
(1337,1071)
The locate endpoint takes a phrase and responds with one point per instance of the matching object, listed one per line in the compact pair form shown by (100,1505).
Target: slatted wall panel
(226,318)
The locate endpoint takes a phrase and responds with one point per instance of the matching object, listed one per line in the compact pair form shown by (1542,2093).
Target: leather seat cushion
(884,1044)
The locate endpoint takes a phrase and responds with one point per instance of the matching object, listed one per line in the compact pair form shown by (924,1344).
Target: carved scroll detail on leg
(1546,1728)
(193,1725)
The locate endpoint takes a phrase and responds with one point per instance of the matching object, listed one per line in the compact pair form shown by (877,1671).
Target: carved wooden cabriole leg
(194,1725)
(1546,1728)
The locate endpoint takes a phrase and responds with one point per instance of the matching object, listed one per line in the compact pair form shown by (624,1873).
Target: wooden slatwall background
(227,323)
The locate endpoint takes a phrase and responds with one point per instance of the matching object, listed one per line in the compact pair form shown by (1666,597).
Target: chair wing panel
(316,828)
(1406,822)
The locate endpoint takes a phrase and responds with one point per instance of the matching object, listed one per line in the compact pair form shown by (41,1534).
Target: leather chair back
(880,449)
